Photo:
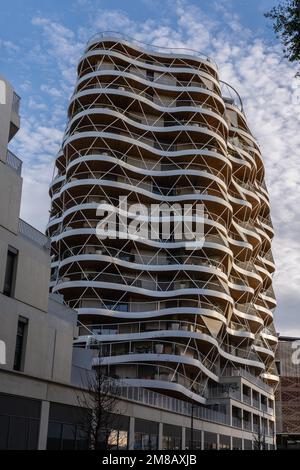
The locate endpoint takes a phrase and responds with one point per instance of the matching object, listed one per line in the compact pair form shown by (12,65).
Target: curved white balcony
(138,121)
(239,330)
(249,315)
(184,194)
(159,83)
(173,107)
(159,67)
(150,167)
(188,356)
(113,309)
(262,349)
(143,262)
(145,287)
(92,203)
(271,377)
(162,378)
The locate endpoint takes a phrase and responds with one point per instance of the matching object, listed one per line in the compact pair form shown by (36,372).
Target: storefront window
(145,441)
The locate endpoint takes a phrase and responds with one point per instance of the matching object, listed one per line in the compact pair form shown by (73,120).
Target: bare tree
(260,439)
(100,399)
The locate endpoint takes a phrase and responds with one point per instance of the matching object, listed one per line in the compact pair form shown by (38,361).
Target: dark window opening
(150,75)
(10,272)
(20,343)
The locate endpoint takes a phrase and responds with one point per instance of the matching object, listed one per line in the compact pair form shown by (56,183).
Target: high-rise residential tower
(157,126)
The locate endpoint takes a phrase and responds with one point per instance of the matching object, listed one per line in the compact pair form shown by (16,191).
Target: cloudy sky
(40,44)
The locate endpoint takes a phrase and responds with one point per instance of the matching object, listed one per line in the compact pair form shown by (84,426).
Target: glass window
(54,436)
(143,441)
(81,438)
(20,343)
(247,444)
(34,425)
(10,272)
(196,434)
(118,439)
(236,443)
(210,441)
(18,433)
(19,406)
(68,436)
(171,437)
(123,440)
(112,440)
(4,428)
(224,442)
(166,445)
(171,443)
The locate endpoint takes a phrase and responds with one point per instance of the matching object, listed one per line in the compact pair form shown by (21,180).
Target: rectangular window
(193,439)
(224,442)
(210,441)
(10,272)
(236,443)
(171,437)
(20,343)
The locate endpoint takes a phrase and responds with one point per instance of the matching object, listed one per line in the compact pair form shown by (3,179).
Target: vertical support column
(160,436)
(183,441)
(43,429)
(202,440)
(131,433)
(218,441)
(241,391)
(229,412)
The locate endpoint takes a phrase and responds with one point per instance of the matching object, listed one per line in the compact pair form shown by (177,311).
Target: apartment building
(288,393)
(191,326)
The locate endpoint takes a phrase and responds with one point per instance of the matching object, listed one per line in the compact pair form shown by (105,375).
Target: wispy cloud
(9,46)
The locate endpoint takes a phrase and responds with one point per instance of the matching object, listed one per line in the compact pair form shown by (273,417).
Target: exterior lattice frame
(159,126)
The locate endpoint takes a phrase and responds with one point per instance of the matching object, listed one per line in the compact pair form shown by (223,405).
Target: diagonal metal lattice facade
(158,126)
(288,391)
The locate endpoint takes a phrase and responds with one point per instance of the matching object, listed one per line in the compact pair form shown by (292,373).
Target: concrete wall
(5,114)
(33,269)
(51,325)
(63,321)
(48,350)
(10,197)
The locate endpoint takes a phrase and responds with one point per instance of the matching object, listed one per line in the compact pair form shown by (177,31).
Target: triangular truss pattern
(158,129)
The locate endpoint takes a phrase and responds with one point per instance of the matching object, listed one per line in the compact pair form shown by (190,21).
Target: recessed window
(10,272)
(20,343)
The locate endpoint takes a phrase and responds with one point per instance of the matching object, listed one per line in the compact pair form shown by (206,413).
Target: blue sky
(41,42)
(79,15)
